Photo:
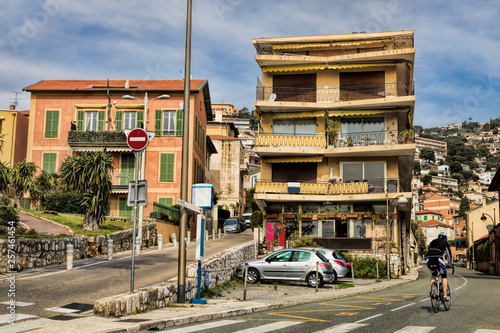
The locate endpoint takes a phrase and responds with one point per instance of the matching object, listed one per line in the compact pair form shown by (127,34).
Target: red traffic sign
(137,139)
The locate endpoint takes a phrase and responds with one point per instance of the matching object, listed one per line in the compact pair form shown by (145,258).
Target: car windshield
(322,257)
(229,222)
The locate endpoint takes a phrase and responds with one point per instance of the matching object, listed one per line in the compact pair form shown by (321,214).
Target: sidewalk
(259,298)
(43,226)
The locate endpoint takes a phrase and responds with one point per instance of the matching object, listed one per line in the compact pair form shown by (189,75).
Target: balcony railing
(334,187)
(349,93)
(97,138)
(334,139)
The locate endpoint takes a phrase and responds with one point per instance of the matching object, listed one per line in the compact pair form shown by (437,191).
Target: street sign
(137,139)
(142,193)
(189,206)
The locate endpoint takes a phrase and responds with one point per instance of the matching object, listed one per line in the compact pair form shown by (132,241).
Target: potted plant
(408,135)
(332,131)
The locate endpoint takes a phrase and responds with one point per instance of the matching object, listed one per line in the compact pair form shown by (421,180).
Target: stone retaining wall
(31,253)
(220,269)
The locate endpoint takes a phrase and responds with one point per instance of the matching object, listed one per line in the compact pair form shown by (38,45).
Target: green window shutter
(127,169)
(119,120)
(167,168)
(51,124)
(179,123)
(80,120)
(101,115)
(49,162)
(123,209)
(140,120)
(165,201)
(158,128)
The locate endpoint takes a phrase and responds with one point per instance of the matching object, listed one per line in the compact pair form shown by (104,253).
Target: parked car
(289,265)
(232,225)
(246,218)
(341,264)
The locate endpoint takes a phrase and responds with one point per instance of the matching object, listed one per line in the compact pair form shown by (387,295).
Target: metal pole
(181,283)
(143,166)
(387,231)
(136,194)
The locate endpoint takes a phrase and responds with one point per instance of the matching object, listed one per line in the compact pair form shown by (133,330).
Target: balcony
(344,94)
(96,140)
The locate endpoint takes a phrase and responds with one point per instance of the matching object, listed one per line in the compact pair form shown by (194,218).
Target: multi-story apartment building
(436,145)
(335,136)
(13,129)
(69,117)
(227,109)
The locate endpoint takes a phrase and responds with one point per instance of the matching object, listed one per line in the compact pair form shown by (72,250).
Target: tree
(427,154)
(21,179)
(89,175)
(44,183)
(456,167)
(4,177)
(416,168)
(464,206)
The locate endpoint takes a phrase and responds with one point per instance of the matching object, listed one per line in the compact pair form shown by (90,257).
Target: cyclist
(434,260)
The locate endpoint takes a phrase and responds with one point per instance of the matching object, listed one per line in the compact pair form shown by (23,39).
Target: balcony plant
(408,135)
(332,131)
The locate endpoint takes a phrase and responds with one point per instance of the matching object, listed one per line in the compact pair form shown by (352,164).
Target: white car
(246,218)
(340,264)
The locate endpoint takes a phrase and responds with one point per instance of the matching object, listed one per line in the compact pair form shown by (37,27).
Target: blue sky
(457,42)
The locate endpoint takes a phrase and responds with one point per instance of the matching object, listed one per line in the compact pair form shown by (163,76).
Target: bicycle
(437,297)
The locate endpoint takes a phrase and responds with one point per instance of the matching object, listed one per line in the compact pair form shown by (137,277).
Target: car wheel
(253,275)
(335,276)
(311,280)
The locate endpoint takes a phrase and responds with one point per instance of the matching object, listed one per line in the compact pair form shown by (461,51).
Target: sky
(457,45)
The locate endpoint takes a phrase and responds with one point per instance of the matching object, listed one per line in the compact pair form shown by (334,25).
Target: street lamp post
(464,230)
(483,217)
(399,201)
(143,156)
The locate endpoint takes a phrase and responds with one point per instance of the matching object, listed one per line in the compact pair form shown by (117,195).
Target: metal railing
(348,93)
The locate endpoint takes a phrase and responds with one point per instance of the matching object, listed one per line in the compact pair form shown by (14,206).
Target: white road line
(402,307)
(375,316)
(416,329)
(270,327)
(62,310)
(18,303)
(5,319)
(202,327)
(486,331)
(342,328)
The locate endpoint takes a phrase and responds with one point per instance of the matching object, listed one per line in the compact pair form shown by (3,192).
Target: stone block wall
(220,269)
(31,253)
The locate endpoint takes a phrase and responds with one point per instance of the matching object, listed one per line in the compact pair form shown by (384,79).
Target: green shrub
(8,213)
(366,267)
(306,241)
(483,252)
(63,202)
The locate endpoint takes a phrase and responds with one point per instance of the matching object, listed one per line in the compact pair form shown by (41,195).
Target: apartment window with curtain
(169,122)
(51,124)
(129,119)
(91,120)
(362,130)
(360,171)
(295,127)
(167,162)
(49,162)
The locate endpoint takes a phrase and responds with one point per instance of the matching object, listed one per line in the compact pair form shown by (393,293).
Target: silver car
(232,225)
(340,264)
(289,265)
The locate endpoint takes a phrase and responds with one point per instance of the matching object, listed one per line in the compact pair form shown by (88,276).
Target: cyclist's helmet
(442,235)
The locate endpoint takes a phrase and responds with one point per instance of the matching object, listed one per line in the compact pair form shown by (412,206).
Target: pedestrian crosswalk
(235,325)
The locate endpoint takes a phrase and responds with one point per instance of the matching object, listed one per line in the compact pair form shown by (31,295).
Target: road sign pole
(137,154)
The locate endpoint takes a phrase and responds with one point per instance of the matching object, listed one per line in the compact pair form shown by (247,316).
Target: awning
(304,114)
(91,106)
(320,67)
(322,45)
(302,159)
(363,112)
(129,106)
(458,240)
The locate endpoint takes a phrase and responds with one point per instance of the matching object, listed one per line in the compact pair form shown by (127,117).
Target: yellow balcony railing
(272,140)
(312,188)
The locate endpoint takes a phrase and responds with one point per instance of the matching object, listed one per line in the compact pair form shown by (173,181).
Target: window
(165,201)
(51,124)
(359,171)
(301,256)
(168,122)
(168,127)
(167,167)
(363,130)
(49,162)
(129,120)
(91,120)
(295,127)
(123,209)
(127,169)
(126,120)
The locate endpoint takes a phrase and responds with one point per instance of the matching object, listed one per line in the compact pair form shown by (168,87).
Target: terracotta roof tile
(114,84)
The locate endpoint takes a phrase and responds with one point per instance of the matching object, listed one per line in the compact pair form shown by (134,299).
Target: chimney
(12,107)
(484,201)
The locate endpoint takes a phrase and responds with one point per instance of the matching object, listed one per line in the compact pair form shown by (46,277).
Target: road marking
(18,303)
(362,320)
(62,310)
(342,328)
(486,331)
(5,319)
(203,327)
(416,329)
(402,307)
(270,327)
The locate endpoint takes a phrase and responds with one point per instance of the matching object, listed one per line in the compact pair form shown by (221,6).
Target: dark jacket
(439,247)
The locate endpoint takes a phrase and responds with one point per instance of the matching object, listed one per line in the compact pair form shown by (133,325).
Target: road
(475,308)
(54,291)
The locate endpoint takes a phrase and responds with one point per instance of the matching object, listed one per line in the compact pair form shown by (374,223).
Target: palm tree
(43,184)
(21,179)
(4,177)
(89,174)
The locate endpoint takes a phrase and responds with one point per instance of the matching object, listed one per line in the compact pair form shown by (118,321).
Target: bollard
(188,238)
(352,272)
(137,246)
(69,256)
(160,242)
(317,272)
(206,237)
(110,249)
(219,233)
(376,265)
(245,283)
(174,240)
(214,234)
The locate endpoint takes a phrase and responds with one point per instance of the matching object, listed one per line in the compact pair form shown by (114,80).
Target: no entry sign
(137,139)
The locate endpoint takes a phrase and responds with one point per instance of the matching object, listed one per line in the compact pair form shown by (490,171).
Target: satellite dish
(272,97)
